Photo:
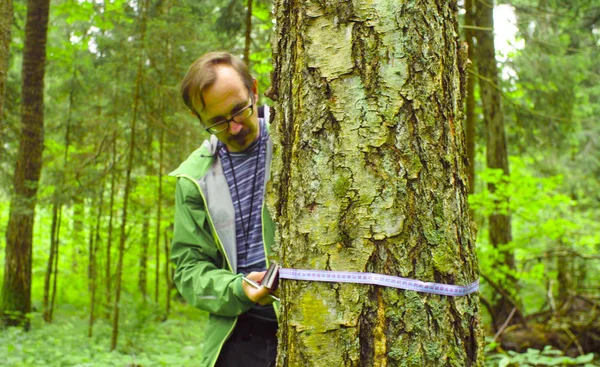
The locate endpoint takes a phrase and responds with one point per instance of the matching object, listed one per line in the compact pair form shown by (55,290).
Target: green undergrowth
(144,340)
(495,357)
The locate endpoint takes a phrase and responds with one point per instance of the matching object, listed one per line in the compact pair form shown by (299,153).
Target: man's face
(227,96)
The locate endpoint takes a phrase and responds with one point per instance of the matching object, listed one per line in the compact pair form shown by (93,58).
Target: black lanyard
(245,229)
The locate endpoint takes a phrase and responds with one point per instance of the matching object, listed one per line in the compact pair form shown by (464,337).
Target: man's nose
(235,127)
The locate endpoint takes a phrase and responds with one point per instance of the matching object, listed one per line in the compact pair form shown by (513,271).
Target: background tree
(369,176)
(470,116)
(16,287)
(545,83)
(6,17)
(143,16)
(500,231)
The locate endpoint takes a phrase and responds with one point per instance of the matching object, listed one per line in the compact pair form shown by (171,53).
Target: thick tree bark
(496,154)
(16,287)
(369,175)
(6,19)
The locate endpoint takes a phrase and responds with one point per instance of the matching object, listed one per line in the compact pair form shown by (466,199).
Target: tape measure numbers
(378,279)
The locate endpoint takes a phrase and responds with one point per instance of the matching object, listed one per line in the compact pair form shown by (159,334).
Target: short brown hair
(201,75)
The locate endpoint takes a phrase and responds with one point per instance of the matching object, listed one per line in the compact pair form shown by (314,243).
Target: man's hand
(259,295)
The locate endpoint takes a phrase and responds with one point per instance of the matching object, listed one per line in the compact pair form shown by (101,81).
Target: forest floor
(144,340)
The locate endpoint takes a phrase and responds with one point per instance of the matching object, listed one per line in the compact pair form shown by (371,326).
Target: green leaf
(504,362)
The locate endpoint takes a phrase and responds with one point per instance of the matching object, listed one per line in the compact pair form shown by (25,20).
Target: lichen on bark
(369,176)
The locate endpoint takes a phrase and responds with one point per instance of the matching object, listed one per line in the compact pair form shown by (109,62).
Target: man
(222,228)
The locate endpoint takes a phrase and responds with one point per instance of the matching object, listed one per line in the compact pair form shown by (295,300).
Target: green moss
(341,184)
(433,236)
(444,261)
(316,315)
(415,166)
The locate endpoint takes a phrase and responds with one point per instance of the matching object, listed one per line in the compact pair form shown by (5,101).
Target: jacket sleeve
(199,274)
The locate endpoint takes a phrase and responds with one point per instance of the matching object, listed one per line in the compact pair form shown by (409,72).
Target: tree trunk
(55,277)
(57,203)
(94,261)
(143,260)
(77,231)
(470,105)
(16,287)
(143,273)
(248,39)
(111,205)
(159,211)
(6,20)
(50,265)
(496,155)
(123,234)
(168,275)
(369,175)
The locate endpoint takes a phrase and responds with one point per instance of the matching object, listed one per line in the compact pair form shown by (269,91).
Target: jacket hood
(198,163)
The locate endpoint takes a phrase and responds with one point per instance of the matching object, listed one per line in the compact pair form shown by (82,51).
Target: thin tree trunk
(77,232)
(369,175)
(248,33)
(497,155)
(93,262)
(90,249)
(159,211)
(108,272)
(6,20)
(55,276)
(143,261)
(143,274)
(57,207)
(564,275)
(50,264)
(136,101)
(470,108)
(168,276)
(16,288)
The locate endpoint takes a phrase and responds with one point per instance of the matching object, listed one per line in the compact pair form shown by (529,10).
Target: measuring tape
(378,279)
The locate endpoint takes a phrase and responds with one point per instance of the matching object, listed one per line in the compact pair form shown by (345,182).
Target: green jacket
(204,250)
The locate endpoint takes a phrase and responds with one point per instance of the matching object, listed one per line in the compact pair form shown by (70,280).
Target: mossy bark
(370,175)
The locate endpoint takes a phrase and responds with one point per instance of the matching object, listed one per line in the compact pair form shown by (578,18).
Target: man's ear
(196,115)
(255,90)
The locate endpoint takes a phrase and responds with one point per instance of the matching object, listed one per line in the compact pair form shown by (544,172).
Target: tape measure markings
(378,279)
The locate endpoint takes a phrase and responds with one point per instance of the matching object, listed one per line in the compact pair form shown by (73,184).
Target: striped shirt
(248,227)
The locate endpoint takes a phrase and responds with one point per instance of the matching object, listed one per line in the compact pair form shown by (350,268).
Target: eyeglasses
(238,117)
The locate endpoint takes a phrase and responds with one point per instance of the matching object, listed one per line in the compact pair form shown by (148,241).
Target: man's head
(220,91)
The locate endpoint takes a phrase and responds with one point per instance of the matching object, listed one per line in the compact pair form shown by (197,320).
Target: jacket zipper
(212,226)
